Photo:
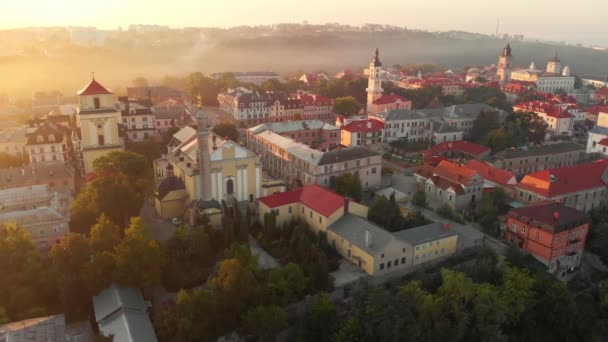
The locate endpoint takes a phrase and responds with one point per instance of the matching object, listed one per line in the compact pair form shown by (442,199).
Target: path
(265,260)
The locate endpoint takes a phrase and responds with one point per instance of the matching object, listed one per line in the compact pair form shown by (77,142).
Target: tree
(286,283)
(485,122)
(167,136)
(386,214)
(497,140)
(148,148)
(492,204)
(4,316)
(351,331)
(347,105)
(419,198)
(227,130)
(321,317)
(273,85)
(105,235)
(140,82)
(348,185)
(264,322)
(139,258)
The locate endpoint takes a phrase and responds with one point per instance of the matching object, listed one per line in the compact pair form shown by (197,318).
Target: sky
(582,21)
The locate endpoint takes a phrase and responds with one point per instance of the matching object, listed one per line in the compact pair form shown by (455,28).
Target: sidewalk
(265,260)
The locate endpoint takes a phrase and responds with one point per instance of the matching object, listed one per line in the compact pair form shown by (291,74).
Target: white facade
(597,142)
(374,84)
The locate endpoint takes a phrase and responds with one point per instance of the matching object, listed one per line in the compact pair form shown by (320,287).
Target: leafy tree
(348,185)
(226,129)
(273,85)
(492,204)
(497,140)
(140,82)
(264,322)
(485,122)
(148,148)
(419,198)
(386,213)
(351,331)
(84,211)
(286,283)
(321,317)
(139,258)
(105,235)
(347,105)
(489,95)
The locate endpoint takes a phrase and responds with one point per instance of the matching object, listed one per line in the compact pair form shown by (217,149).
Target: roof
(32,217)
(467,110)
(596,110)
(33,174)
(445,184)
(387,99)
(48,133)
(354,228)
(48,328)
(363,126)
(445,128)
(13,134)
(565,180)
(169,184)
(430,232)
(454,172)
(550,108)
(551,216)
(554,59)
(346,154)
(291,126)
(492,173)
(603,142)
(403,114)
(562,147)
(94,88)
(316,197)
(462,146)
(121,311)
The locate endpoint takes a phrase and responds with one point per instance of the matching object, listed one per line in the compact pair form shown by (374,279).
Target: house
(48,143)
(58,177)
(314,133)
(246,106)
(432,241)
(597,141)
(138,119)
(48,328)
(170,196)
(593,112)
(462,116)
(389,102)
(458,150)
(286,109)
(122,313)
(46,226)
(299,164)
(362,133)
(451,184)
(13,140)
(310,79)
(494,177)
(553,233)
(581,186)
(559,120)
(601,94)
(524,160)
(515,89)
(403,124)
(316,107)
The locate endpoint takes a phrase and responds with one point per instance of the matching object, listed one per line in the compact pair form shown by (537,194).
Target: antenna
(497,25)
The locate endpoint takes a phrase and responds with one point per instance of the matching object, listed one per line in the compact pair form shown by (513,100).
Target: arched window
(230,187)
(51,137)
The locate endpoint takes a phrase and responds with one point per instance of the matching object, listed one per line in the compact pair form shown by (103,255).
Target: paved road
(265,260)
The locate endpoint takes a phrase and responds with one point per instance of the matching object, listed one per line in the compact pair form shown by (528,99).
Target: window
(41,231)
(381,266)
(396,262)
(289,209)
(373,170)
(320,219)
(403,249)
(403,260)
(388,264)
(537,235)
(310,214)
(52,148)
(442,250)
(101,140)
(523,229)
(96,103)
(382,256)
(514,227)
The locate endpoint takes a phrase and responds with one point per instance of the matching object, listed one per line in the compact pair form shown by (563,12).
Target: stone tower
(554,65)
(204,158)
(505,62)
(374,84)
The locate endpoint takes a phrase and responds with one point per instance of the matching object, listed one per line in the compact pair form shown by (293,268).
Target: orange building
(553,233)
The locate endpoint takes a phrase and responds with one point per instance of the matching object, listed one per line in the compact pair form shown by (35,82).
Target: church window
(101,140)
(230,186)
(96,103)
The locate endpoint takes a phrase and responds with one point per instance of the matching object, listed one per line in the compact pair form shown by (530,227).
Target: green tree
(264,322)
(485,122)
(167,136)
(149,148)
(227,129)
(105,235)
(4,316)
(347,105)
(386,213)
(139,258)
(351,331)
(419,198)
(286,283)
(348,185)
(321,318)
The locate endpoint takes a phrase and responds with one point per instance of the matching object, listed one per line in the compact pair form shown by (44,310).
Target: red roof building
(316,107)
(601,94)
(579,186)
(493,176)
(560,117)
(362,132)
(552,232)
(460,149)
(593,112)
(94,88)
(389,102)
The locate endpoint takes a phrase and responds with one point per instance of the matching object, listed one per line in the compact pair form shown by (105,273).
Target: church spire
(376,59)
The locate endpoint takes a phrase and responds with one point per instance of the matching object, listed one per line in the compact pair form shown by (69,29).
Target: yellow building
(235,172)
(430,242)
(170,196)
(98,121)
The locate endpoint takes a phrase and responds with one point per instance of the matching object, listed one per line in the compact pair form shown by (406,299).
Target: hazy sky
(573,21)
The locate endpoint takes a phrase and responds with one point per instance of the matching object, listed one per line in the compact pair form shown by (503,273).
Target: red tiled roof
(462,146)
(602,91)
(550,215)
(603,142)
(363,126)
(550,108)
(314,100)
(392,98)
(565,180)
(454,172)
(318,198)
(595,110)
(94,88)
(491,173)
(445,184)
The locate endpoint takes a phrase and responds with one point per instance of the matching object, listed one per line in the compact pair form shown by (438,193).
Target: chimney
(368,238)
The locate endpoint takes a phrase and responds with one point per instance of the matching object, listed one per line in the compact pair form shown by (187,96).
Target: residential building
(515,89)
(154,94)
(494,177)
(524,160)
(45,225)
(48,328)
(552,80)
(286,109)
(597,141)
(314,133)
(49,143)
(122,312)
(593,112)
(59,177)
(449,86)
(29,197)
(255,77)
(172,113)
(13,140)
(316,107)
(299,164)
(404,124)
(246,106)
(362,133)
(98,121)
(551,232)
(451,184)
(601,94)
(579,186)
(559,120)
(430,242)
(463,116)
(170,197)
(138,119)
(389,102)
(458,150)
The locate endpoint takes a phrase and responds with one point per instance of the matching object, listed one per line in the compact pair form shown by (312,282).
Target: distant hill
(66,68)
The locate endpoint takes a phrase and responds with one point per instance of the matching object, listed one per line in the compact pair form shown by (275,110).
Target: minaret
(504,65)
(204,158)
(374,83)
(554,65)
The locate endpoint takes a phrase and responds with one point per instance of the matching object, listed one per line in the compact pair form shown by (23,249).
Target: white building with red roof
(559,119)
(494,177)
(389,102)
(581,186)
(362,133)
(597,142)
(98,122)
(552,80)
